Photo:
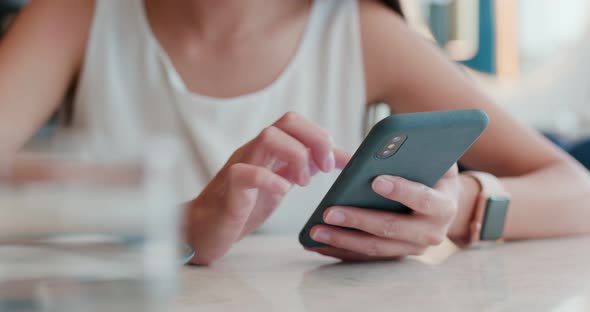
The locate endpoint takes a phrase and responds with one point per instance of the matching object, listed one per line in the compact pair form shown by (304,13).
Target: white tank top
(127,79)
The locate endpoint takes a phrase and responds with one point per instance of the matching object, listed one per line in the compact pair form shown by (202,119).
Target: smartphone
(420,147)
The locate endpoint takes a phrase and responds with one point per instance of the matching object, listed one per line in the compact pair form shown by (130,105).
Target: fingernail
(321,236)
(335,217)
(382,185)
(330,162)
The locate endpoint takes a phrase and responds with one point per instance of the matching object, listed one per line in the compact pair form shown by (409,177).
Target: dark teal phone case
(435,141)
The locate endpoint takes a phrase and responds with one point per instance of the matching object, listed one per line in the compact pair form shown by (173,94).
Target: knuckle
(352,220)
(302,154)
(402,187)
(336,241)
(427,198)
(236,171)
(238,153)
(266,135)
(290,117)
(244,174)
(324,134)
(235,215)
(392,228)
(257,177)
(399,187)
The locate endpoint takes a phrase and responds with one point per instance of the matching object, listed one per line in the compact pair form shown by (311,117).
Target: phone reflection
(533,275)
(374,286)
(218,291)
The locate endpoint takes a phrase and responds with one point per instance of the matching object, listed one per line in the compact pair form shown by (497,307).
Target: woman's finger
(273,145)
(409,228)
(268,186)
(362,243)
(417,196)
(312,136)
(215,230)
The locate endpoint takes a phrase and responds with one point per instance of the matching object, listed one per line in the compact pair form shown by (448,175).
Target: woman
(224,75)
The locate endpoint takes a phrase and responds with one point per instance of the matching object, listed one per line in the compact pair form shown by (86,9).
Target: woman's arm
(549,189)
(39,57)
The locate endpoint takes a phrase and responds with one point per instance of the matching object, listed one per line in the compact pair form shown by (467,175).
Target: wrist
(459,230)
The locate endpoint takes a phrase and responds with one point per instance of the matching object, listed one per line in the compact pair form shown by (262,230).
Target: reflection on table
(273,273)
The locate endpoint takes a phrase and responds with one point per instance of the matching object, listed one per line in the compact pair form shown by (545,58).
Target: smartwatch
(491,209)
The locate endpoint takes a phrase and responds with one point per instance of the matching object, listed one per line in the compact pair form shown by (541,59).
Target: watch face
(494,218)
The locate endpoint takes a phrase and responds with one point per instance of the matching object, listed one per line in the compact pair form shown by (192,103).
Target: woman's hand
(254,181)
(386,235)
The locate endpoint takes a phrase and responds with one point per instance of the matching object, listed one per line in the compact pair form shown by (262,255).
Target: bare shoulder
(62,13)
(64,23)
(42,50)
(380,31)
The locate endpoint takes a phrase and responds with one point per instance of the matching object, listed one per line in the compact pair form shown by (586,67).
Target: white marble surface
(274,273)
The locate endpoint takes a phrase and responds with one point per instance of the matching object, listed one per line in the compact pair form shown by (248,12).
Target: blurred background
(528,55)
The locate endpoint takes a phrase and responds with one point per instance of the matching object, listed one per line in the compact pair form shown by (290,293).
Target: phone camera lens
(391,146)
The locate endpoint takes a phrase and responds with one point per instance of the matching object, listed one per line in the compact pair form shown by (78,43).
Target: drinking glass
(85,227)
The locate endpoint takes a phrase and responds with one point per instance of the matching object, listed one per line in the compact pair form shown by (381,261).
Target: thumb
(342,158)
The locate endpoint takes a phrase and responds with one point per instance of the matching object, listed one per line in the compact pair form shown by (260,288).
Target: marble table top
(274,273)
